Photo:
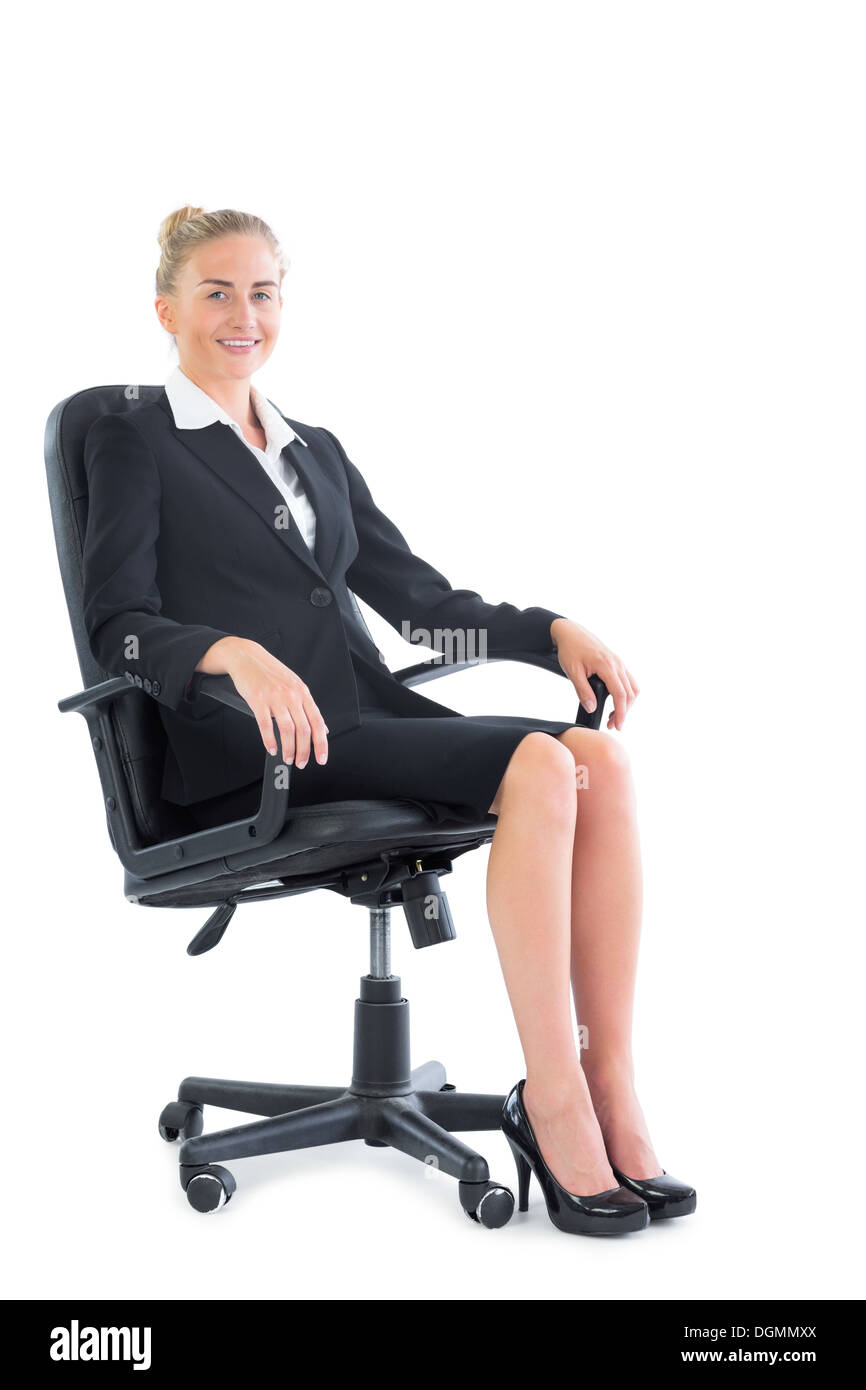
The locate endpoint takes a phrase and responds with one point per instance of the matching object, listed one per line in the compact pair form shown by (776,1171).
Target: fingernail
(272,750)
(324,758)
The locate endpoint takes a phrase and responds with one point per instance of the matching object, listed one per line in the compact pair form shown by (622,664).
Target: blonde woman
(226,538)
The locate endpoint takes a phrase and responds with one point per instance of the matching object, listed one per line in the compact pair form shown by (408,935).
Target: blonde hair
(182,232)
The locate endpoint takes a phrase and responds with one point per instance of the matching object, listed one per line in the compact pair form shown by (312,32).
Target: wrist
(219,657)
(557,627)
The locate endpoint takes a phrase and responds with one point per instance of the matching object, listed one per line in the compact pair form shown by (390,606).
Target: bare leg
(529,891)
(607,900)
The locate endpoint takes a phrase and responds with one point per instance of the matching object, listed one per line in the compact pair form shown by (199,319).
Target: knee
(598,753)
(542,770)
(595,747)
(613,754)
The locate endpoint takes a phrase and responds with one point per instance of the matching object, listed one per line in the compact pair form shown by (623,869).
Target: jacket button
(155,687)
(139,682)
(130,677)
(320,597)
(147,685)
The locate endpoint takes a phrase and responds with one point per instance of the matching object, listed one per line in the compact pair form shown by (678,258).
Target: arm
(403,587)
(122,606)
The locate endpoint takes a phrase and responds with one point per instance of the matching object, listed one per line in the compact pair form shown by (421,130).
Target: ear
(164,313)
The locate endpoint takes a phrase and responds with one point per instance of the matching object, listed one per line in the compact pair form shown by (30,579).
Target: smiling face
(226,315)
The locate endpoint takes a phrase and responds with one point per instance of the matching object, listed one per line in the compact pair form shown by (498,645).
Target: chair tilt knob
(426,908)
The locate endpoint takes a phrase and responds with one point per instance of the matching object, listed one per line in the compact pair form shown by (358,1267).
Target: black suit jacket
(187,542)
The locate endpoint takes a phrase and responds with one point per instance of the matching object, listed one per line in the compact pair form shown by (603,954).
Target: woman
(564,893)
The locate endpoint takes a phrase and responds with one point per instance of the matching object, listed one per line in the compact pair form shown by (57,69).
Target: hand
(581,654)
(271,690)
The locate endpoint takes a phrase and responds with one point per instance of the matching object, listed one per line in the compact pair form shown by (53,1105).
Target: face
(226,316)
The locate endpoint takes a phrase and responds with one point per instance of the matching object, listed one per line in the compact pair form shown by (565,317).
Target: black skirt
(450,766)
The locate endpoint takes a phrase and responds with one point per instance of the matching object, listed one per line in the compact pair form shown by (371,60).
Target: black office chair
(376,853)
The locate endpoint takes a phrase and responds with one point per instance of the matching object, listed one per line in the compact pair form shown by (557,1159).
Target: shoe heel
(524,1172)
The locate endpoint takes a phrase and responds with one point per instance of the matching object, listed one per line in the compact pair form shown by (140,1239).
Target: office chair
(376,853)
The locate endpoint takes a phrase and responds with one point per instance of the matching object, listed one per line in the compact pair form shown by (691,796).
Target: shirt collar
(193,409)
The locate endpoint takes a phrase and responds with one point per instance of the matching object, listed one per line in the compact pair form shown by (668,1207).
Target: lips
(238,347)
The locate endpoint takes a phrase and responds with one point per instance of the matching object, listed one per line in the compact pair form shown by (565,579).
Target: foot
(568,1135)
(622,1123)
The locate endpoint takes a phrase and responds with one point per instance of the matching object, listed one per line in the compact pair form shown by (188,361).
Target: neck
(232,395)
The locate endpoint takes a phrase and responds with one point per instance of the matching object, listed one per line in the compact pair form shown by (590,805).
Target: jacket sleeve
(402,587)
(125,626)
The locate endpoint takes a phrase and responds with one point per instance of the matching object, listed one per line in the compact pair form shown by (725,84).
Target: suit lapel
(219,449)
(325,500)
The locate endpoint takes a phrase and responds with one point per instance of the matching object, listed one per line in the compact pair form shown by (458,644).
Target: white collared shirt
(193,408)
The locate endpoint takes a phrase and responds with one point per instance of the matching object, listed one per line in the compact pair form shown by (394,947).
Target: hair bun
(170,224)
(186,230)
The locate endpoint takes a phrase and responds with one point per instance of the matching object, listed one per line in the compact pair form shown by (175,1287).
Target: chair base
(386,1104)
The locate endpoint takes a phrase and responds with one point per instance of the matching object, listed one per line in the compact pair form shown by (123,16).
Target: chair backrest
(135,717)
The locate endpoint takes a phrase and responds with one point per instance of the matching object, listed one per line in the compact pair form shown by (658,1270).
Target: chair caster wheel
(181,1117)
(209,1187)
(488,1203)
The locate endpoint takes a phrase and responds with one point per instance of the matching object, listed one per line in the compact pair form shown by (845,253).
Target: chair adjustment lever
(211,934)
(426,908)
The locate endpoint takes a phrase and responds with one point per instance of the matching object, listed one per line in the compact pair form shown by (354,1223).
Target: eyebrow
(230,283)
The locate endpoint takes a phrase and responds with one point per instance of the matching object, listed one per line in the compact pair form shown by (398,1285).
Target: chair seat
(316,844)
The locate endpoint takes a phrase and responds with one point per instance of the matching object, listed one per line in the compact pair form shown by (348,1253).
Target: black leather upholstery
(139,728)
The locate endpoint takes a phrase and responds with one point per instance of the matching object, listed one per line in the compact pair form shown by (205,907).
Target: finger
(302,735)
(620,700)
(615,676)
(319,730)
(584,689)
(627,686)
(634,685)
(287,734)
(266,727)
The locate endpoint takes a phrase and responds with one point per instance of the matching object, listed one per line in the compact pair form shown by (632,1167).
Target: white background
(581,290)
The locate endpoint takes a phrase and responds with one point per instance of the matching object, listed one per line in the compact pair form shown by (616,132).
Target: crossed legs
(564,897)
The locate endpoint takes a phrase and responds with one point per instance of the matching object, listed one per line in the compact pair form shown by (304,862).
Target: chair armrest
(147,861)
(548,661)
(95,695)
(220,688)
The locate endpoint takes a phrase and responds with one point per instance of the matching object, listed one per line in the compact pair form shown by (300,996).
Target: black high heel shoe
(612,1212)
(665,1195)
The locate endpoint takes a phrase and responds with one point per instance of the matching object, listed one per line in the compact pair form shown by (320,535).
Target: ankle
(608,1072)
(552,1096)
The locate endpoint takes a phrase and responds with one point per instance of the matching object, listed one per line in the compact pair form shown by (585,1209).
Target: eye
(263,293)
